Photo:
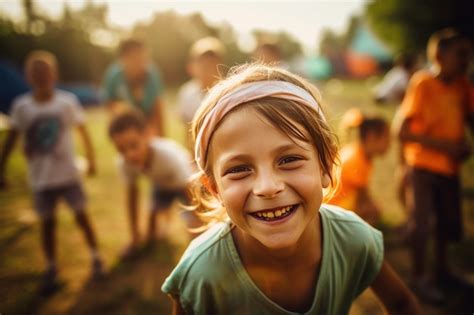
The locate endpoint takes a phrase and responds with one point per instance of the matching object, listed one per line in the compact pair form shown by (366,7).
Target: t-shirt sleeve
(373,258)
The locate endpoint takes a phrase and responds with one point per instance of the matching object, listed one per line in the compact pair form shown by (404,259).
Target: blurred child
(395,82)
(45,117)
(269,53)
(356,164)
(265,153)
(204,58)
(431,127)
(164,162)
(134,81)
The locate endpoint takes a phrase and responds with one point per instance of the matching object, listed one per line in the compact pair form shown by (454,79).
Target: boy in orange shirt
(432,121)
(356,164)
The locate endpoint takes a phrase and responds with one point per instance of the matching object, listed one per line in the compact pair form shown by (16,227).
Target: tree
(406,25)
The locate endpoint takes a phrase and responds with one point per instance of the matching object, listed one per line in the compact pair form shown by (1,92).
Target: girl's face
(270,184)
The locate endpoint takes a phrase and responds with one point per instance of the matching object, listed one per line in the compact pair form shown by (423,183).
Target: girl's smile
(271,185)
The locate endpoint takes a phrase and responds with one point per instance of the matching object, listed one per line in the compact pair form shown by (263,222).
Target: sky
(303,19)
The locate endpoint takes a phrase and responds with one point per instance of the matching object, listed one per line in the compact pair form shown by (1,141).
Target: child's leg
(152,225)
(449,222)
(48,241)
(423,207)
(75,198)
(84,223)
(133,221)
(45,205)
(193,222)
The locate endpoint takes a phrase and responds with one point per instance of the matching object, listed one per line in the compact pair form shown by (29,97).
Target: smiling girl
(266,154)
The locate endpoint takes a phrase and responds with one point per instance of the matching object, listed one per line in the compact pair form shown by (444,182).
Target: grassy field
(134,287)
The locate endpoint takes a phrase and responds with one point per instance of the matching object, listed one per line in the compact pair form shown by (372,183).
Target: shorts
(45,201)
(437,196)
(162,199)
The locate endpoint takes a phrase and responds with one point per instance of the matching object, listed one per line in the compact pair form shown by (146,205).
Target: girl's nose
(268,185)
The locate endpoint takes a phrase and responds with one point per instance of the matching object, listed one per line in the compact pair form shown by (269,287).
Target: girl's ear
(325,180)
(209,184)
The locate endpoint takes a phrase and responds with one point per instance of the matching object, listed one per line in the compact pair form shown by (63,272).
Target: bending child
(45,117)
(265,154)
(164,162)
(356,164)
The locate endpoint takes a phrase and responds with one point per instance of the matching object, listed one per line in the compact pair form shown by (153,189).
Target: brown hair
(354,118)
(127,120)
(287,116)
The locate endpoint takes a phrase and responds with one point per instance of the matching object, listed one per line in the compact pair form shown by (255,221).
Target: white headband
(245,93)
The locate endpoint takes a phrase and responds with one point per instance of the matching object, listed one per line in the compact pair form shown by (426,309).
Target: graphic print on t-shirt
(43,135)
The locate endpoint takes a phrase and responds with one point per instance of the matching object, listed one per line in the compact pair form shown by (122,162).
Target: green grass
(134,288)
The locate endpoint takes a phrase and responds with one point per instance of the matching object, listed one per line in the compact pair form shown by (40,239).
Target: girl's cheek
(233,193)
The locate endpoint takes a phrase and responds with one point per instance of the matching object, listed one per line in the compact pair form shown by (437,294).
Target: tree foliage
(85,43)
(405,25)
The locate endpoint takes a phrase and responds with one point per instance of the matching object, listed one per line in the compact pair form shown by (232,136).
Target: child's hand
(460,151)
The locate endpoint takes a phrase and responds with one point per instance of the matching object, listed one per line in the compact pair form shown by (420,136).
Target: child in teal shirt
(266,154)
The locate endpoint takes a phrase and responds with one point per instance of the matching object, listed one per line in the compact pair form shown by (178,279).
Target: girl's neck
(308,249)
(42,95)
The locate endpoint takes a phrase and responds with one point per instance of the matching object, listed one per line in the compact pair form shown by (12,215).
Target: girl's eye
(237,170)
(288,159)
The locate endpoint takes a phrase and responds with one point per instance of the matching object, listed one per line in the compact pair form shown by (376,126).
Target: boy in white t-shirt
(45,117)
(395,82)
(164,162)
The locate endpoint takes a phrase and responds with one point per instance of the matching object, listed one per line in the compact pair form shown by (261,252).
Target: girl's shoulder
(204,259)
(346,229)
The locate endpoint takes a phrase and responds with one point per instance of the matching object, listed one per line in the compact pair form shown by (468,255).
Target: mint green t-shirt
(211,279)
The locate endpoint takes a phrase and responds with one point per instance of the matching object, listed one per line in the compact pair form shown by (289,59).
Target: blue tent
(364,42)
(318,68)
(12,84)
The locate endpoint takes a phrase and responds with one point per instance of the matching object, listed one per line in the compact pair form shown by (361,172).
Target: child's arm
(8,146)
(88,148)
(366,207)
(157,121)
(393,293)
(458,151)
(177,309)
(133,194)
